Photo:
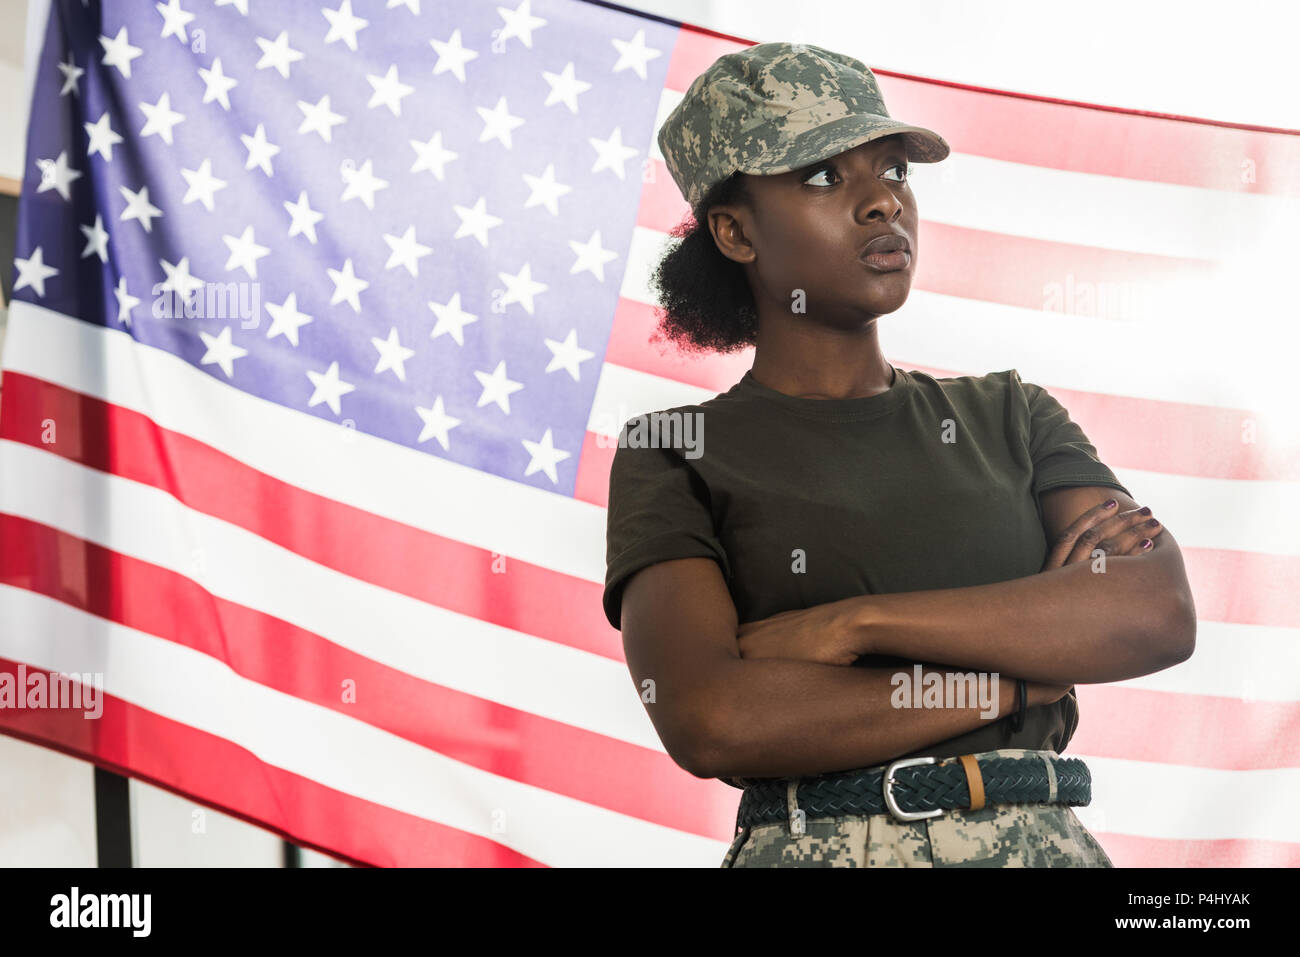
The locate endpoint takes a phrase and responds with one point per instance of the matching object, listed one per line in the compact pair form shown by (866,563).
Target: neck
(817,362)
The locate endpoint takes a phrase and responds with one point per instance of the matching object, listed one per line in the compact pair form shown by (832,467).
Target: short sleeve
(1062,455)
(658,510)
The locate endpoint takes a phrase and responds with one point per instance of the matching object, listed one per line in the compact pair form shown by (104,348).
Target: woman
(879,533)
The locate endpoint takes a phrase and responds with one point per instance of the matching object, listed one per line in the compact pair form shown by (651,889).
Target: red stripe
(1065,134)
(990,266)
(497,738)
(361,544)
(1176,438)
(1130,850)
(216,773)
(1225,733)
(1246,588)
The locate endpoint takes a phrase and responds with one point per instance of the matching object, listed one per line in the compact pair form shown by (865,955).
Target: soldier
(776,130)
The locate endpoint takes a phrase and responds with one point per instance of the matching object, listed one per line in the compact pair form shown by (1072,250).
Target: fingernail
(1111,504)
(1145,511)
(1146,543)
(1153,523)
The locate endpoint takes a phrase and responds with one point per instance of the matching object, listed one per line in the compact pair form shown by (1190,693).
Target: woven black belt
(920,788)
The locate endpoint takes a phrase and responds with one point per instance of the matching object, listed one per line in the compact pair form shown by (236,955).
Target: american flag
(326,320)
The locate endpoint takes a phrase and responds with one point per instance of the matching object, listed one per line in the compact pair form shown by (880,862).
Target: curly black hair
(705,297)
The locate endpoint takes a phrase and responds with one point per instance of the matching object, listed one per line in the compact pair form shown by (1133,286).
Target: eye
(825,168)
(905,168)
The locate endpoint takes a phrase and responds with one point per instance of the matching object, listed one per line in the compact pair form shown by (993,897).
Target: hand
(1115,533)
(823,633)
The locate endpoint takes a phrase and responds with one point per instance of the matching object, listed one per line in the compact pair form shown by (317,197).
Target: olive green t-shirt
(933,483)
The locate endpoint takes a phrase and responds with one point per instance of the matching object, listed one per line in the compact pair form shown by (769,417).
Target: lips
(888,243)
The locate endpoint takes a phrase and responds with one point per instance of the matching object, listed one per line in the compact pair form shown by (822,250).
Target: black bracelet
(1022,692)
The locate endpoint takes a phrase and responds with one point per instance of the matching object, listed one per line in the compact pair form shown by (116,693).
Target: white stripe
(1248,662)
(1252,516)
(1184,803)
(335,749)
(458,651)
(1233,368)
(1094,209)
(415,487)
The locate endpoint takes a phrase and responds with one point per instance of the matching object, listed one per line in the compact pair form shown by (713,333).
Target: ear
(727,227)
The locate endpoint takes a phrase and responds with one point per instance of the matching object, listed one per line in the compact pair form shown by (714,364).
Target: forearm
(1065,626)
(779,717)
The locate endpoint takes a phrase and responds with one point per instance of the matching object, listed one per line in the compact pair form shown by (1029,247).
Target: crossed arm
(771,698)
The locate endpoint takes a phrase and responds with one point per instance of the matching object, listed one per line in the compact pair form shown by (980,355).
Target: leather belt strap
(974,781)
(918,788)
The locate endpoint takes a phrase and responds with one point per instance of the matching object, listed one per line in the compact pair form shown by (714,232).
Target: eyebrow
(898,151)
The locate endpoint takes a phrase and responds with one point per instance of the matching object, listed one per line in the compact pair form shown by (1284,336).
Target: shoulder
(990,387)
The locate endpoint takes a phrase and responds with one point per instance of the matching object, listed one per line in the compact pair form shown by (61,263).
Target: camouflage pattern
(1002,835)
(774,107)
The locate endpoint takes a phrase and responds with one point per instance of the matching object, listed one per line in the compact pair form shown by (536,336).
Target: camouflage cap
(774,107)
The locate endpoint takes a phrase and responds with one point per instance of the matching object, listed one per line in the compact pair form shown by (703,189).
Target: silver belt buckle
(894,809)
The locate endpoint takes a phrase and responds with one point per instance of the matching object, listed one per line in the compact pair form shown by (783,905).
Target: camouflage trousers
(997,835)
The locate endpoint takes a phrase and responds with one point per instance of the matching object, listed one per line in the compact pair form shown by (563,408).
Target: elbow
(1176,631)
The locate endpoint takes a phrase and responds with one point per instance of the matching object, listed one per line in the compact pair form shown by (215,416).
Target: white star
(611,153)
(286,320)
(240,5)
(567,354)
(565,88)
(343,25)
(319,118)
(452,56)
(179,279)
(139,207)
(118,52)
(392,354)
(634,53)
(244,252)
(476,221)
(259,150)
(174,19)
(203,185)
(545,190)
(543,457)
(437,423)
(102,138)
(56,174)
(520,23)
(451,319)
(591,256)
(431,155)
(33,272)
(304,218)
(161,118)
(413,5)
(521,288)
(389,91)
(125,302)
(496,387)
(217,84)
(96,239)
(71,74)
(328,388)
(278,54)
(362,184)
(497,122)
(406,251)
(221,351)
(347,286)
